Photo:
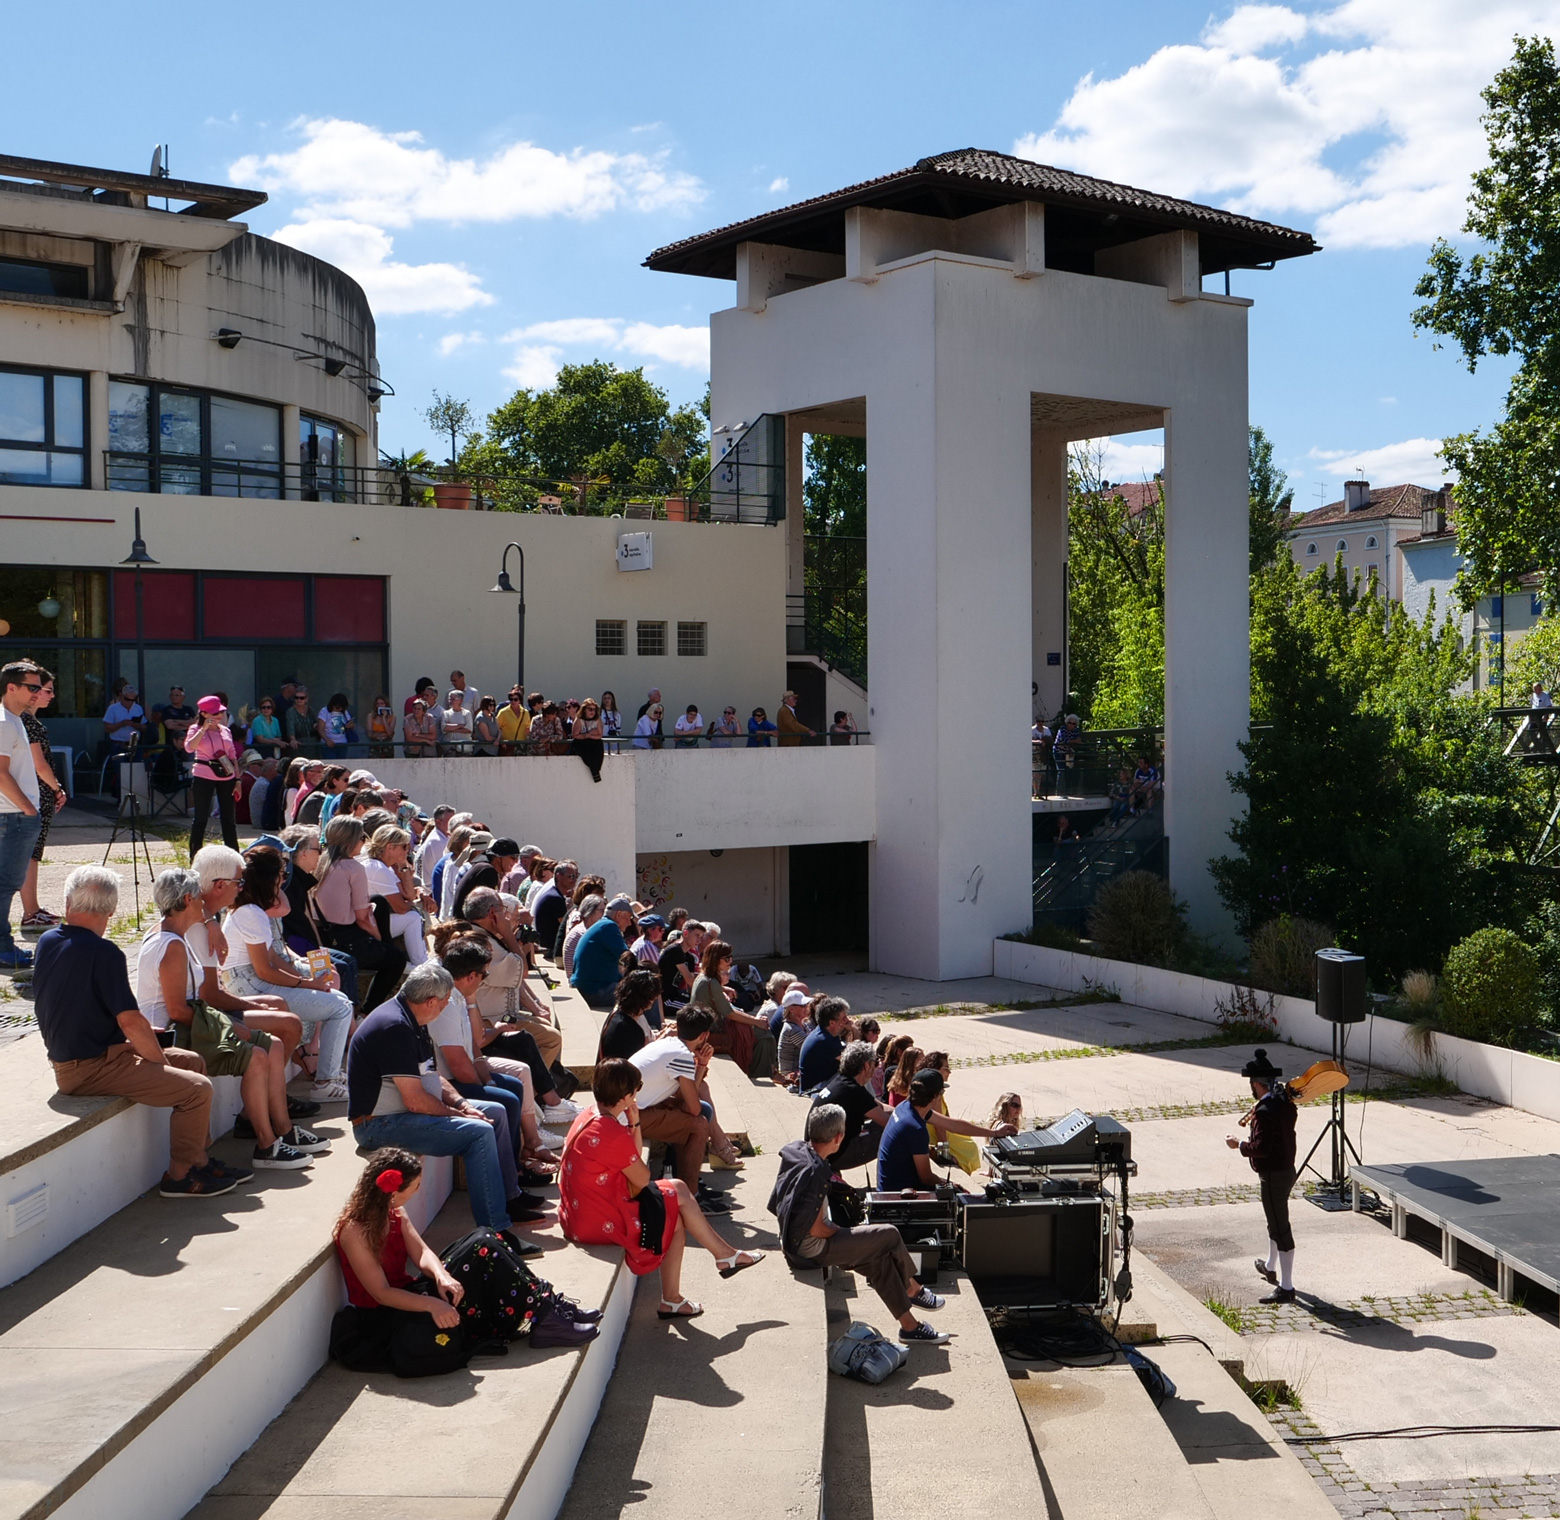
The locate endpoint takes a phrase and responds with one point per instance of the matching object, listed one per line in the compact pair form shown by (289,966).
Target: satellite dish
(156,170)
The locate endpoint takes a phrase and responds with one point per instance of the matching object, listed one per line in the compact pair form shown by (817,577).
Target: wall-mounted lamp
(377,392)
(335,366)
(229,337)
(48,608)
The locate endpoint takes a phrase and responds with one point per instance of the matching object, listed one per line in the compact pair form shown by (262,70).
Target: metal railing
(1528,734)
(257,479)
(1087,765)
(1068,876)
(341,754)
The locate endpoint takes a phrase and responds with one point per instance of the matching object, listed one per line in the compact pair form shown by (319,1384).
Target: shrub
(1050,935)
(1283,954)
(1136,917)
(1421,996)
(1489,985)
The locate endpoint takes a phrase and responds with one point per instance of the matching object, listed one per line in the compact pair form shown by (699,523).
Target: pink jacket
(211,743)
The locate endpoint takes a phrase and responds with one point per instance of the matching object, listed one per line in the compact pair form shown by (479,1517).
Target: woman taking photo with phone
(211,746)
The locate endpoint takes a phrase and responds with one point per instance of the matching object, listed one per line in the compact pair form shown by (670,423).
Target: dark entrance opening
(828,897)
(809,683)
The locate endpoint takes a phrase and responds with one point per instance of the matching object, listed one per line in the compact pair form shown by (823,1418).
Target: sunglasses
(29,685)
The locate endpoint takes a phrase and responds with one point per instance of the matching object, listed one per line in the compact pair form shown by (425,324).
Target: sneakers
(242,1128)
(559,1115)
(281,1157)
(924,1334)
(555,1331)
(305,1140)
(301,1108)
(40,921)
(223,1170)
(711,1201)
(926,1299)
(1278,1296)
(327,1090)
(16,960)
(198,1184)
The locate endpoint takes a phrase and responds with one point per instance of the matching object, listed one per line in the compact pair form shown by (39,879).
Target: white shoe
(557,1115)
(329,1090)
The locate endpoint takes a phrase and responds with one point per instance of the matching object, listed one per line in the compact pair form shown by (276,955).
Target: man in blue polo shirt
(905,1154)
(821,1050)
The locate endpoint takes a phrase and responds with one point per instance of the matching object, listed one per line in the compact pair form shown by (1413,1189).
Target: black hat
(1262,1069)
(504,847)
(926,1085)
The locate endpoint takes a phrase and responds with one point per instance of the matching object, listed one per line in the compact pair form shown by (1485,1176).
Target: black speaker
(1340,987)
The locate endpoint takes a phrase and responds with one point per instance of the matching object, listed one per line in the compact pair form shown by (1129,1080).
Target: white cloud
(1414,461)
(1374,136)
(1123,460)
(776,186)
(393,288)
(350,169)
(542,344)
(450,342)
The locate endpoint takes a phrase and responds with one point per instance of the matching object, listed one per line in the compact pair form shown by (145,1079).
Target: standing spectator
(1540,697)
(1145,785)
(725,730)
(347,916)
(1064,751)
(589,741)
(759,729)
(381,729)
(843,728)
(455,724)
(653,700)
(265,730)
(216,773)
(611,718)
(609,1197)
(547,736)
(124,719)
(484,728)
(176,717)
(647,731)
(690,727)
(398,1098)
(792,729)
(596,958)
(472,695)
(426,691)
(421,731)
(100,1043)
(299,727)
(514,723)
(335,722)
(51,798)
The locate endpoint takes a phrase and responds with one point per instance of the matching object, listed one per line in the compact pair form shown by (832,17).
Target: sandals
(683,1308)
(720,1163)
(734,1263)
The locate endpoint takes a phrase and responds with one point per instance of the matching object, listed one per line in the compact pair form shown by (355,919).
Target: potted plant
(448,415)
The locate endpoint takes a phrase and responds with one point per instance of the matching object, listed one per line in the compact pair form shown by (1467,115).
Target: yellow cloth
(965,1149)
(513,726)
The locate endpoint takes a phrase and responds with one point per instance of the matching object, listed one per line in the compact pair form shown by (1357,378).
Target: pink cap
(210,704)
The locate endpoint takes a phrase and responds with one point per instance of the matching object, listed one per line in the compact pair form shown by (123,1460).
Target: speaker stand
(1332,1193)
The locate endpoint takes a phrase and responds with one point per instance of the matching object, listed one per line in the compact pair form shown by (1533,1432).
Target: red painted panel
(349,609)
(255,607)
(168,599)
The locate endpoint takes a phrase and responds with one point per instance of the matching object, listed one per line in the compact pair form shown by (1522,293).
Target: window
(1310,548)
(1371,571)
(42,428)
(327,455)
(1343,546)
(189,443)
(691,638)
(1497,606)
(33,277)
(612,636)
(1370,543)
(652,639)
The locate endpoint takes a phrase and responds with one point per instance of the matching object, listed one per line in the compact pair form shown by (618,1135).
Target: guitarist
(1271,1152)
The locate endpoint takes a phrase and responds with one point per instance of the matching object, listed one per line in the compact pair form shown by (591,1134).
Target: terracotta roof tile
(1385,501)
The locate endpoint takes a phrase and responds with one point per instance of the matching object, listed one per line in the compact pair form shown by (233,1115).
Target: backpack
(863,1354)
(503,1297)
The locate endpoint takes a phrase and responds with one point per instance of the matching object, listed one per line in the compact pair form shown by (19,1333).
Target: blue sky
(495,173)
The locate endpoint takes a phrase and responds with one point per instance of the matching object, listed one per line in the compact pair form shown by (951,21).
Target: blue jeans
(18,835)
(473,1141)
(504,1106)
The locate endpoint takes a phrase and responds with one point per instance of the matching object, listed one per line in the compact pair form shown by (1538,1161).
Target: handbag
(865,1355)
(652,1217)
(502,1297)
(847,1204)
(419,1348)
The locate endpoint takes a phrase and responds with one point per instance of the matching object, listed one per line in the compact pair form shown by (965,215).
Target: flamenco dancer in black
(1271,1152)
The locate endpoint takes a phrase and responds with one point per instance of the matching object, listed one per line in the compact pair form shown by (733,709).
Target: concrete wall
(441,565)
(741,890)
(951,357)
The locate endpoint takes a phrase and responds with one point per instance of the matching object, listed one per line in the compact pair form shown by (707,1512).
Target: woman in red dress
(608,1198)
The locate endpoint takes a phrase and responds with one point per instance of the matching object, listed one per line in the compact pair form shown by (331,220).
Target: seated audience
(550,905)
(456,868)
(587,737)
(505,1001)
(775,989)
(898,1086)
(430,847)
(672,1069)
(265,730)
(890,1048)
(850,1090)
(486,868)
(796,1005)
(596,956)
(743,1036)
(168,978)
(101,1045)
(905,1152)
(591,909)
(627,1031)
(389,874)
(346,913)
(821,1050)
(679,961)
(647,948)
(958,1133)
(800,1202)
(609,1197)
(398,1098)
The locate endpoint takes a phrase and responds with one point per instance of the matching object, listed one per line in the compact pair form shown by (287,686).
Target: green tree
(1270,497)
(834,565)
(1377,799)
(834,486)
(608,434)
(1504,300)
(447,415)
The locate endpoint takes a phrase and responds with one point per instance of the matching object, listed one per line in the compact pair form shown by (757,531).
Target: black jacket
(800,1189)
(1271,1147)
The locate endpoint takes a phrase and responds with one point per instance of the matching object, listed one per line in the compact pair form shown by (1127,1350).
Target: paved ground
(1383,1335)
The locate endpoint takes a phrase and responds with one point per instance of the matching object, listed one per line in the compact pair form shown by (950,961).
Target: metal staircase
(1068,877)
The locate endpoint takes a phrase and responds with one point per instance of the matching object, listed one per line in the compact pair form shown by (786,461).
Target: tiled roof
(1385,501)
(968,180)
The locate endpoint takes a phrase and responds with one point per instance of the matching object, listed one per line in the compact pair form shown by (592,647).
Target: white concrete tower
(972,315)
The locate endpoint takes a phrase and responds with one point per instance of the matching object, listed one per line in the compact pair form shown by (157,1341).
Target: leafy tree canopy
(834,488)
(1504,300)
(1270,497)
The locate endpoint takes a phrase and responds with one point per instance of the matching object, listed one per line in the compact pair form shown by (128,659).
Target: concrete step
(139,1363)
(500,1439)
(67,1164)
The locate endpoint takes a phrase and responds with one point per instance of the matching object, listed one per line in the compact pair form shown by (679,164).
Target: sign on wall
(633,551)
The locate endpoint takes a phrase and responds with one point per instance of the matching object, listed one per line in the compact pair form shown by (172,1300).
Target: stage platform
(1508,1209)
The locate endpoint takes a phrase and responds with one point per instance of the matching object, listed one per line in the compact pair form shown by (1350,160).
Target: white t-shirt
(452,1027)
(642,731)
(124,716)
(148,974)
(16,748)
(382,881)
(661,1063)
(335,725)
(687,725)
(428,853)
(455,725)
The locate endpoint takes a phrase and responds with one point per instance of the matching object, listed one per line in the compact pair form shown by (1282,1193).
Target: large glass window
(53,604)
(189,443)
(327,454)
(42,428)
(34,277)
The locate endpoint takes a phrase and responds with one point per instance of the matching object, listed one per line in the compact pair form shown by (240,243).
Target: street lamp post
(138,557)
(506,585)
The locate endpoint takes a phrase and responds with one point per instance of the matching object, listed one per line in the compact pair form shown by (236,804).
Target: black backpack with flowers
(503,1298)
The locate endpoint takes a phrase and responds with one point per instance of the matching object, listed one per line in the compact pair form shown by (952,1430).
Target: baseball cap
(795,998)
(652,921)
(620,904)
(926,1085)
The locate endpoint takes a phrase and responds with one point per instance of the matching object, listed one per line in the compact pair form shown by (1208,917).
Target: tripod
(1331,1194)
(130,803)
